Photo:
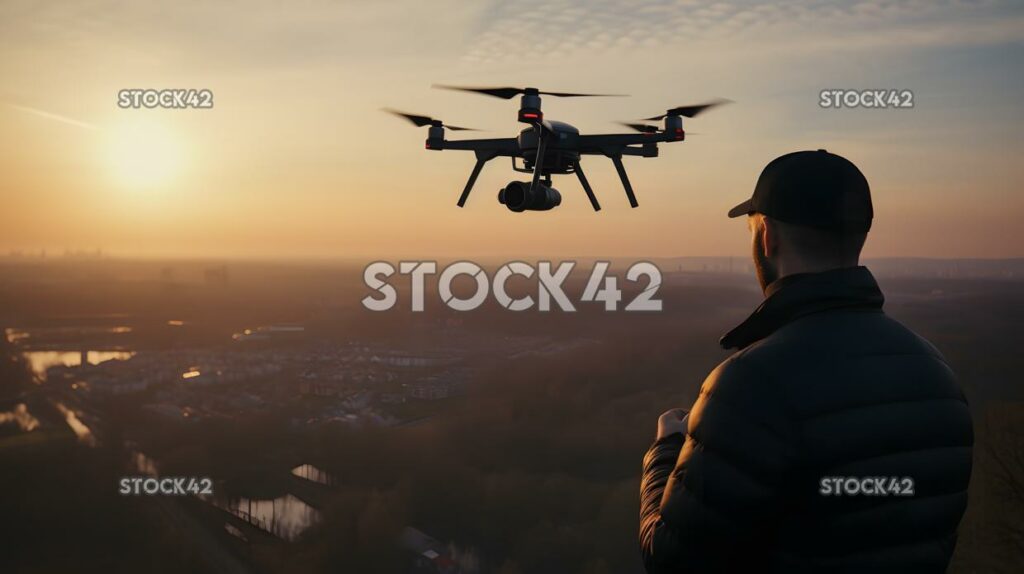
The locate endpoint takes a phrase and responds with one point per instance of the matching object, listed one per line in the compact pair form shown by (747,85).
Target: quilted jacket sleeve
(708,500)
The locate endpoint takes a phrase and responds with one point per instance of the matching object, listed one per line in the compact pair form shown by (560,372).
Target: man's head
(781,248)
(810,212)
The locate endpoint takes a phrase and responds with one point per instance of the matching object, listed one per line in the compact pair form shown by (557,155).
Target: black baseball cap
(814,189)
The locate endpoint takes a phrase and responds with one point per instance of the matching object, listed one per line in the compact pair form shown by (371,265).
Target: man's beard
(767,273)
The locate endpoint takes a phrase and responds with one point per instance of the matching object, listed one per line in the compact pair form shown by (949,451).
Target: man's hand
(671,422)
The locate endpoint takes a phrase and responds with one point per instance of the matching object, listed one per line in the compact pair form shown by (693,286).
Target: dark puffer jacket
(825,387)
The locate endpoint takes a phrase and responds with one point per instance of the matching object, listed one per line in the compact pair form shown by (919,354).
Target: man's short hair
(822,245)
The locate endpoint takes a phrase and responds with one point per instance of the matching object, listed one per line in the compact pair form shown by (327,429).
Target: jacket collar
(794,296)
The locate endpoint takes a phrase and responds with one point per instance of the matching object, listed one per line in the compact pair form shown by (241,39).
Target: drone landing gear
(542,181)
(482,157)
(617,160)
(586,187)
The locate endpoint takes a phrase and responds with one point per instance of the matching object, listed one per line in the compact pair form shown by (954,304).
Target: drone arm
(617,160)
(482,157)
(497,146)
(596,143)
(648,150)
(586,187)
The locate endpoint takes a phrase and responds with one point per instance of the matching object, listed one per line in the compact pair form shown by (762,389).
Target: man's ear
(769,236)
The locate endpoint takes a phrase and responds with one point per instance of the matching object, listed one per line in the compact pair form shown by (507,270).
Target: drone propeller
(509,93)
(649,129)
(689,111)
(642,128)
(421,121)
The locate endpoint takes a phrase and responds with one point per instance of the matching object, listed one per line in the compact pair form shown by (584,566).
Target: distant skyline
(296,159)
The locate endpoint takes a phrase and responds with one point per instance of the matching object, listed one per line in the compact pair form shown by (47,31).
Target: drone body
(550,147)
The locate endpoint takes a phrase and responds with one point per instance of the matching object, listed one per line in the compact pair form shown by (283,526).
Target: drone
(550,147)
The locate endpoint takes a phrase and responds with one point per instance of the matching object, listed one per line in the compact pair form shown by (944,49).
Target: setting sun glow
(144,155)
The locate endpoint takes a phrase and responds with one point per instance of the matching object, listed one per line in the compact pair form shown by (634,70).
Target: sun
(143,154)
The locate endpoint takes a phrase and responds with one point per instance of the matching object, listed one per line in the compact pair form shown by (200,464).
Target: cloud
(52,116)
(232,35)
(552,28)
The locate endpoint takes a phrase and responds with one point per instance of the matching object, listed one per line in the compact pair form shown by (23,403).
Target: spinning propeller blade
(642,128)
(649,129)
(689,111)
(421,121)
(509,93)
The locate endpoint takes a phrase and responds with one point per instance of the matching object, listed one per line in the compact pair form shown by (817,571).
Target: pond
(286,516)
(40,361)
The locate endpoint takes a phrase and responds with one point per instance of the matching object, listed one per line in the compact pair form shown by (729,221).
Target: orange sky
(296,159)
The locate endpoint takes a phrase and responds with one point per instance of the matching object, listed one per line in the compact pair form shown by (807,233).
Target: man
(834,439)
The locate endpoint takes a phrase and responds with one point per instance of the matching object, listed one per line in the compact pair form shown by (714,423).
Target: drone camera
(517,196)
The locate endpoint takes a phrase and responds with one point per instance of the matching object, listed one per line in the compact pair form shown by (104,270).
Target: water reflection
(83,432)
(312,473)
(40,361)
(143,464)
(16,335)
(20,416)
(287,516)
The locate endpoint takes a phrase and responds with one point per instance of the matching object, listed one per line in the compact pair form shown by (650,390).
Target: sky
(296,158)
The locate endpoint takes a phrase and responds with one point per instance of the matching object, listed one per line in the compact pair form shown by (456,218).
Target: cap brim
(745,208)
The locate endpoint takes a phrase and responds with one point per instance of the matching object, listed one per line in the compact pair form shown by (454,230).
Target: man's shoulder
(836,335)
(741,382)
(836,360)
